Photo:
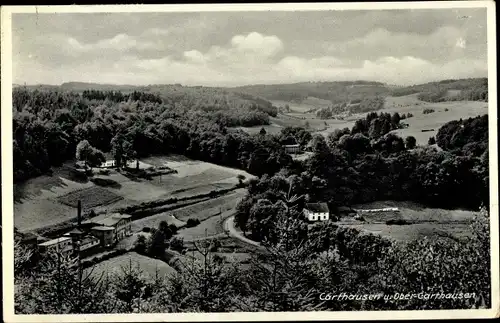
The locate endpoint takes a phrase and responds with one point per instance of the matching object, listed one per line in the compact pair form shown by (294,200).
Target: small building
(292,149)
(111,228)
(108,164)
(62,245)
(84,241)
(317,211)
(105,235)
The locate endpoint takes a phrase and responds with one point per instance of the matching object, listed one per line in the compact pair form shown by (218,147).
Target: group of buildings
(320,212)
(102,231)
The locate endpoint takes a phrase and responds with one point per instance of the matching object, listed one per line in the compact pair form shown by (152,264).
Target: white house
(317,211)
(292,149)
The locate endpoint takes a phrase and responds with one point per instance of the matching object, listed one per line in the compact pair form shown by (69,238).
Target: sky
(400,47)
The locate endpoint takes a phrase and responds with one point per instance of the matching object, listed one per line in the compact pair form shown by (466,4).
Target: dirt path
(229,228)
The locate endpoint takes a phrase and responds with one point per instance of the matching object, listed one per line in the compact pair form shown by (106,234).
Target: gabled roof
(108,219)
(103,228)
(54,241)
(317,207)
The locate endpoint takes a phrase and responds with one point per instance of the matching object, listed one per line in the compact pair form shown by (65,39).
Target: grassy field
(456,109)
(200,211)
(148,266)
(90,197)
(422,221)
(420,121)
(42,201)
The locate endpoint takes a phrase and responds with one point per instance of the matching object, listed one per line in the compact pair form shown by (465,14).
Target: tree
(122,150)
(157,244)
(83,151)
(141,244)
(410,142)
(90,155)
(431,141)
(129,287)
(375,128)
(262,131)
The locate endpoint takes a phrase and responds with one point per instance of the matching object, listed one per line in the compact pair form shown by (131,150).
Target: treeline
(475,89)
(361,165)
(48,125)
(117,96)
(336,92)
(366,104)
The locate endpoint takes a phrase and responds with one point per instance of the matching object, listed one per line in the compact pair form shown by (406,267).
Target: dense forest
(366,104)
(369,163)
(48,125)
(301,269)
(448,90)
(363,164)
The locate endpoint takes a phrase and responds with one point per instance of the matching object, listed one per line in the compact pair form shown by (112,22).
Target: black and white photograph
(249,162)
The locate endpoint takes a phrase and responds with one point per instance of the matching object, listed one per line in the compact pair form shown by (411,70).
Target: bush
(177,244)
(192,223)
(398,222)
(446,109)
(427,111)
(103,172)
(432,141)
(146,229)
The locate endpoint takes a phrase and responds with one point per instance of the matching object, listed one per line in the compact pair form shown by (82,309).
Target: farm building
(292,149)
(108,163)
(317,211)
(111,228)
(86,241)
(105,235)
(62,245)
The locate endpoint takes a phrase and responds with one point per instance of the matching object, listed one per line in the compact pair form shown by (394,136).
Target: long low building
(62,245)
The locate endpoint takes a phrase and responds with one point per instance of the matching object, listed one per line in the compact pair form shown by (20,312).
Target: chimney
(79,214)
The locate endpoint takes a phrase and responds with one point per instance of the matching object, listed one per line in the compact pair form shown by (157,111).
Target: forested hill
(473,89)
(336,92)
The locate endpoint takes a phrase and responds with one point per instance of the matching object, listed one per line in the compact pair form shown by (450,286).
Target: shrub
(192,222)
(103,172)
(146,229)
(397,222)
(427,111)
(446,109)
(432,141)
(177,244)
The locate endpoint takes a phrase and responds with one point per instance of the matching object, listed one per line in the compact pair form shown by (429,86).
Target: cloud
(235,49)
(441,45)
(120,42)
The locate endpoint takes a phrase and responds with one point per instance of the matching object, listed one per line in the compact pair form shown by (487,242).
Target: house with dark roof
(317,211)
(110,228)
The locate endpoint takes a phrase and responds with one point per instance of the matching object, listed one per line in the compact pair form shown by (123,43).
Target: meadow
(416,221)
(302,114)
(148,266)
(49,200)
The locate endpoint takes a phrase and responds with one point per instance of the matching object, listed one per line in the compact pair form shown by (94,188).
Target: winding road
(231,230)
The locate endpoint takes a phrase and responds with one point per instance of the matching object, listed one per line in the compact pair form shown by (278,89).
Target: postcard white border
(7,164)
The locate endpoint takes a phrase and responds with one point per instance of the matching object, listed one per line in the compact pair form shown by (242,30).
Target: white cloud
(119,42)
(257,44)
(243,51)
(246,59)
(440,45)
